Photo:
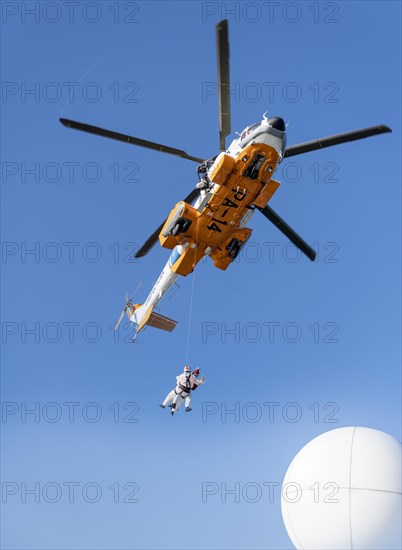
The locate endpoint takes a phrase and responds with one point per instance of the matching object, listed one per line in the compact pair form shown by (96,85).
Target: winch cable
(191,299)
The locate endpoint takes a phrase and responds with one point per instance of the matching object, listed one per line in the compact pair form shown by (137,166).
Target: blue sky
(315,345)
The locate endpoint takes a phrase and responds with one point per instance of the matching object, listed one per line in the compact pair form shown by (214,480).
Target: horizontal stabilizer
(152,319)
(159,321)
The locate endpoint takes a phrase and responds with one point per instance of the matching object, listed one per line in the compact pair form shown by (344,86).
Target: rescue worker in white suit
(182,390)
(185,383)
(180,378)
(172,394)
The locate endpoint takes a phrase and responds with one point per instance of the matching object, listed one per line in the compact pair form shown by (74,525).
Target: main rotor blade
(151,241)
(288,231)
(335,140)
(222,48)
(128,139)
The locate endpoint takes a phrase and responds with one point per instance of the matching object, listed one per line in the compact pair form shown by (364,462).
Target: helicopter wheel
(177,229)
(181,226)
(234,252)
(186,225)
(234,248)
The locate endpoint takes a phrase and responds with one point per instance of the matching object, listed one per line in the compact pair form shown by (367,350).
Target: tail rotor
(128,305)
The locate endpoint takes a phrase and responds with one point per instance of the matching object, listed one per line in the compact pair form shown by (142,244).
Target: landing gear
(254,167)
(233,248)
(176,229)
(181,226)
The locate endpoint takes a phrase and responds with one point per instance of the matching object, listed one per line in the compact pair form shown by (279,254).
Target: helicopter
(211,220)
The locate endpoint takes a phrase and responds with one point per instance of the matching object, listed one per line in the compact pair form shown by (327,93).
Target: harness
(184,389)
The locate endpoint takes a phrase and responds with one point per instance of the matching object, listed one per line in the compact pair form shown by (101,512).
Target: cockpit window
(248,130)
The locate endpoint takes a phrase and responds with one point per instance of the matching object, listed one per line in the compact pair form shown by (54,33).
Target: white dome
(343,491)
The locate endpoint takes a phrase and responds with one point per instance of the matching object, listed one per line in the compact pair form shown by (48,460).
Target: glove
(202,379)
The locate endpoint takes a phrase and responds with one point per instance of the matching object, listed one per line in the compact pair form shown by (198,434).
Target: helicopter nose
(277,123)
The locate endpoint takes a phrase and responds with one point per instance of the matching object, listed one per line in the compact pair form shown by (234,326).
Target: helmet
(187,369)
(196,372)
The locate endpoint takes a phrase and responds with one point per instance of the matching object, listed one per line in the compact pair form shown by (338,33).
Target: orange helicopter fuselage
(240,184)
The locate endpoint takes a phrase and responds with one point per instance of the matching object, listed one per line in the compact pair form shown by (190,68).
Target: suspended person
(181,379)
(182,390)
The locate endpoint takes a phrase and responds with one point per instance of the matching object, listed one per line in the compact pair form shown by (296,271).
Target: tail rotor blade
(127,306)
(116,326)
(135,292)
(290,233)
(222,47)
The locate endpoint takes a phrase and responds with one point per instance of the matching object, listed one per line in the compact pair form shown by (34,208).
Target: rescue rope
(191,300)
(189,317)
